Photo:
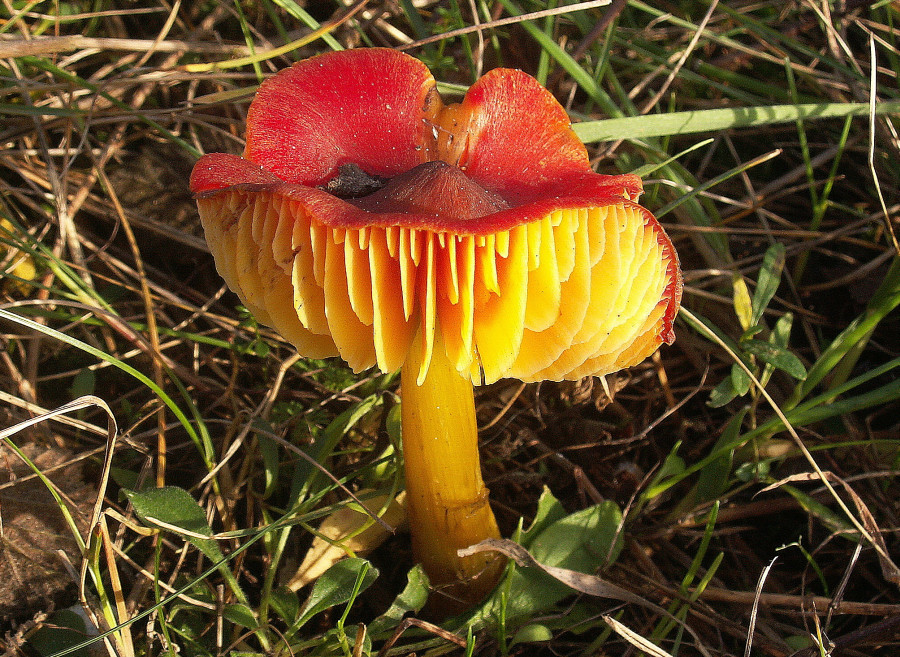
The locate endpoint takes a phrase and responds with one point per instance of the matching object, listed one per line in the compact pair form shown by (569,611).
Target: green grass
(768,431)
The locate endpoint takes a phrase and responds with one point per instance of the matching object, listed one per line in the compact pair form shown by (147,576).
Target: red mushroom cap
(486,223)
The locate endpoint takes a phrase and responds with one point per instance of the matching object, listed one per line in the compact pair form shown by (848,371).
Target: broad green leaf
(240,615)
(411,599)
(84,383)
(271,455)
(63,629)
(740,380)
(336,586)
(583,541)
(532,633)
(779,338)
(549,510)
(833,522)
(782,331)
(285,603)
(672,466)
(307,474)
(743,306)
(722,393)
(713,479)
(172,508)
(768,281)
(777,357)
(753,471)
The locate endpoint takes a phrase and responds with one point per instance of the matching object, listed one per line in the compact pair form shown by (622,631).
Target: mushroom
(457,243)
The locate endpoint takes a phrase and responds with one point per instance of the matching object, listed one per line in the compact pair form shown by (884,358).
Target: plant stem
(447,500)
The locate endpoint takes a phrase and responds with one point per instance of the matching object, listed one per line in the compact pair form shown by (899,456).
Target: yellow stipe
(447,500)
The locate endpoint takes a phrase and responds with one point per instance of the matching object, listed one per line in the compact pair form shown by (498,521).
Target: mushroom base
(447,501)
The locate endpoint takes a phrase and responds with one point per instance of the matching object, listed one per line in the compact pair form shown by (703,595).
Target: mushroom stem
(447,500)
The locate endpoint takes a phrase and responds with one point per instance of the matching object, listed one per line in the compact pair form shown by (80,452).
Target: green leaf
(716,120)
(834,522)
(532,633)
(241,615)
(174,509)
(271,455)
(722,393)
(672,467)
(777,357)
(740,380)
(768,281)
(743,306)
(84,383)
(64,629)
(583,541)
(307,475)
(713,479)
(411,599)
(782,331)
(753,471)
(549,510)
(336,586)
(285,603)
